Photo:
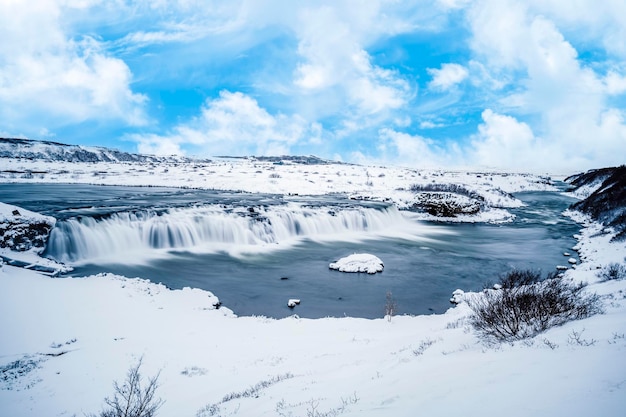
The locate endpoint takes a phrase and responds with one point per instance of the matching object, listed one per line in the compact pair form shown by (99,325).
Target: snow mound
(358,262)
(9,212)
(457,296)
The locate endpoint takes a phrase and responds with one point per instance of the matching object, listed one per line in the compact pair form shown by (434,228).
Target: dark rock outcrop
(442,204)
(446,200)
(21,230)
(607,204)
(22,236)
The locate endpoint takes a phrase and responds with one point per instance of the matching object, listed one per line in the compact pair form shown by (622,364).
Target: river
(257,251)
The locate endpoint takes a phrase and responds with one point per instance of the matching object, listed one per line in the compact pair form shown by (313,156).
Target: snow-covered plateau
(66,340)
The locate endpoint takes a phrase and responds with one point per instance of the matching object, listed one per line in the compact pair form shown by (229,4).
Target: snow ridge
(54,151)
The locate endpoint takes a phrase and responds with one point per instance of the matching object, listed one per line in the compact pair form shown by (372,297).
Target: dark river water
(257,251)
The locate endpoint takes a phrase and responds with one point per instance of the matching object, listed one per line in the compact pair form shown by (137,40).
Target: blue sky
(534,85)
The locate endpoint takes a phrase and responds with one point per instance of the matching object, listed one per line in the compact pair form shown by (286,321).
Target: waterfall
(125,235)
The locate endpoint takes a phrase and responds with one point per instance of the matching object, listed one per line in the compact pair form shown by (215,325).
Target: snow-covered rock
(358,262)
(293,302)
(457,296)
(444,204)
(21,229)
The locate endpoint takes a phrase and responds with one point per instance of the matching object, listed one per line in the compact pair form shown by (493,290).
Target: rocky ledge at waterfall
(22,230)
(604,193)
(447,200)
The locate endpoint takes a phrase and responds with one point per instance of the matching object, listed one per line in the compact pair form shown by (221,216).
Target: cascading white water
(125,235)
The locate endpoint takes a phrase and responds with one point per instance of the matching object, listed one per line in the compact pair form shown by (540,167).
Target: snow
(7,214)
(358,262)
(82,334)
(389,184)
(458,296)
(65,340)
(586,190)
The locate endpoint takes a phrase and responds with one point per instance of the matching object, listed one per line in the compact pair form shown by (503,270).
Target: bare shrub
(133,398)
(518,312)
(576,338)
(424,344)
(254,391)
(390,306)
(452,188)
(613,271)
(520,277)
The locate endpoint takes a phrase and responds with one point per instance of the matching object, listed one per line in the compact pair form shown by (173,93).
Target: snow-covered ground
(389,184)
(65,340)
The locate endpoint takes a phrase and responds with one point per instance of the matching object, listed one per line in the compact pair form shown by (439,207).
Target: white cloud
(428,124)
(448,76)
(589,21)
(151,144)
(49,79)
(331,72)
(615,83)
(504,142)
(331,47)
(453,4)
(233,124)
(409,150)
(571,125)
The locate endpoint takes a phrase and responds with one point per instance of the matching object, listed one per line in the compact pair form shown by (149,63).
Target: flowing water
(257,251)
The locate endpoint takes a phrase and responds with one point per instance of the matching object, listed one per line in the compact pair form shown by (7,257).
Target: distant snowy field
(64,341)
(360,182)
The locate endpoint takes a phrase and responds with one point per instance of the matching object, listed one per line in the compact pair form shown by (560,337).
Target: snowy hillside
(54,151)
(604,196)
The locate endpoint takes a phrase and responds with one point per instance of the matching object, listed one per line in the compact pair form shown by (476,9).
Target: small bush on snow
(613,271)
(526,306)
(520,277)
(133,399)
